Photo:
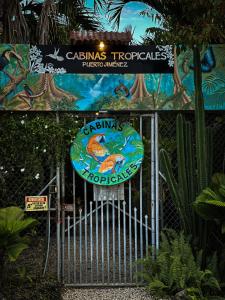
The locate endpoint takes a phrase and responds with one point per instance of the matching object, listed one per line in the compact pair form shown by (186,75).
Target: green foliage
(62,105)
(118,102)
(175,269)
(28,286)
(182,188)
(176,16)
(212,83)
(210,204)
(30,144)
(13,226)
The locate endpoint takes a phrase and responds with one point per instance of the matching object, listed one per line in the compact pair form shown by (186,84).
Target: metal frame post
(156,183)
(58,224)
(58,215)
(141,199)
(63,219)
(153,184)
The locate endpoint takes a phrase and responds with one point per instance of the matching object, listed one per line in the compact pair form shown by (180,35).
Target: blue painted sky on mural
(130,16)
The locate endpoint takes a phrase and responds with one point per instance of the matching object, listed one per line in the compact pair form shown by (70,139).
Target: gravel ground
(105,294)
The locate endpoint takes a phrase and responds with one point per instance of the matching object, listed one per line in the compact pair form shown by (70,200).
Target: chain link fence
(215,120)
(32,143)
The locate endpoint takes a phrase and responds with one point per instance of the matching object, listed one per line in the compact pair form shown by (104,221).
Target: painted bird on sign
(28,92)
(112,164)
(96,148)
(55,55)
(6,56)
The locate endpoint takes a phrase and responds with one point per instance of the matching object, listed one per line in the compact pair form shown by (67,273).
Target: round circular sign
(107,152)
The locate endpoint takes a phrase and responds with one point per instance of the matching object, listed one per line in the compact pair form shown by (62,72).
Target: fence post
(58,215)
(156,183)
(153,184)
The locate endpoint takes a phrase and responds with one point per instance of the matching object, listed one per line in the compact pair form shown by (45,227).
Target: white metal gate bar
(101,243)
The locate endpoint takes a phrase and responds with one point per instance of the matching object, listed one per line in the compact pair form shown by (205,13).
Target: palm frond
(115,10)
(76,16)
(31,6)
(100,5)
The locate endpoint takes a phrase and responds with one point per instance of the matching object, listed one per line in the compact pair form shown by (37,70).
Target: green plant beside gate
(14,240)
(176,271)
(210,204)
(184,187)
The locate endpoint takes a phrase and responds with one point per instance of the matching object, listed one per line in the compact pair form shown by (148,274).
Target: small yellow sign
(36,203)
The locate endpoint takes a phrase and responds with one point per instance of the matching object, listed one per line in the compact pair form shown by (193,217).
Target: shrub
(13,235)
(175,270)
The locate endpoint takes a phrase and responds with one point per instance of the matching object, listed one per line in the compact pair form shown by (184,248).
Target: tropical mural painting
(21,89)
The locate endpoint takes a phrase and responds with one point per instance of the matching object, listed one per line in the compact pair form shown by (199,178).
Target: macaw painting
(21,89)
(107,152)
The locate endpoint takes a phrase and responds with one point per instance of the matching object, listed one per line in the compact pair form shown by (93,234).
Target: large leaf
(208,211)
(210,204)
(12,220)
(218,179)
(216,203)
(12,213)
(12,229)
(209,194)
(15,250)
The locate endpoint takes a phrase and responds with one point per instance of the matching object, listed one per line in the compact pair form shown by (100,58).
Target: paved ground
(106,294)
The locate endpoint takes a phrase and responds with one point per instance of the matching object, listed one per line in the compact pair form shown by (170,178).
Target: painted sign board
(107,152)
(120,59)
(36,203)
(23,90)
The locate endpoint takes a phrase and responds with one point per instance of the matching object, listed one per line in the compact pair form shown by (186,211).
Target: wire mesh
(215,121)
(32,142)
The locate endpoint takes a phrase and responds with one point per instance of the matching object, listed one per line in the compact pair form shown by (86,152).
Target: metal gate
(101,239)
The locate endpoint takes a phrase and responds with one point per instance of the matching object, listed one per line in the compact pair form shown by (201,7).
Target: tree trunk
(177,81)
(15,28)
(46,92)
(47,21)
(14,81)
(139,90)
(1,16)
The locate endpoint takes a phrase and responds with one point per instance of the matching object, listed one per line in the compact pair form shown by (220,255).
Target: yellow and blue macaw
(112,164)
(96,148)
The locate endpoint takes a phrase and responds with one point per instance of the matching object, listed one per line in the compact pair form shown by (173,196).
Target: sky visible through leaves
(130,16)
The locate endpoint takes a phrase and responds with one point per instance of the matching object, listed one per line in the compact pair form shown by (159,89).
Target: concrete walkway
(105,294)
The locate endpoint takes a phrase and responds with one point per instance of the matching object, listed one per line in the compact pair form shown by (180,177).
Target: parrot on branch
(112,163)
(96,148)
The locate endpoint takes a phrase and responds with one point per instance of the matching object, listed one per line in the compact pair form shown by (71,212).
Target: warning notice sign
(36,203)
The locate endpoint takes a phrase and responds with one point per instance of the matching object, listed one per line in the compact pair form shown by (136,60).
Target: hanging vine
(15,28)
